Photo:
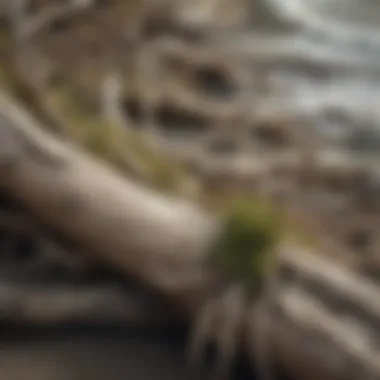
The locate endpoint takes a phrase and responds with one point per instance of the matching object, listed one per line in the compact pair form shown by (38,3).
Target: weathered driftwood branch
(164,242)
(32,304)
(332,313)
(159,240)
(53,13)
(44,281)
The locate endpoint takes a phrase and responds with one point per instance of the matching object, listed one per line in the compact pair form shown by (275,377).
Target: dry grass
(123,147)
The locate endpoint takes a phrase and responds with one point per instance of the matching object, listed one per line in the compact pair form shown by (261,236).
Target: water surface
(326,53)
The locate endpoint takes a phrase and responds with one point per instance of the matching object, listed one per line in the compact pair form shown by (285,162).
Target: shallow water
(326,55)
(351,20)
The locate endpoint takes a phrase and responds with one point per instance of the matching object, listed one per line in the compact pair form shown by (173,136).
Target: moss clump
(251,229)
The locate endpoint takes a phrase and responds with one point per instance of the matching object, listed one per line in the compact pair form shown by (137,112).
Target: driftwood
(44,281)
(62,305)
(316,319)
(90,203)
(331,313)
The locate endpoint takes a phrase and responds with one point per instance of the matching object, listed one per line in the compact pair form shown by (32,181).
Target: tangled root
(227,340)
(247,240)
(219,321)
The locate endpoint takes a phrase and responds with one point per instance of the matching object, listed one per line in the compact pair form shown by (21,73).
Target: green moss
(251,230)
(115,144)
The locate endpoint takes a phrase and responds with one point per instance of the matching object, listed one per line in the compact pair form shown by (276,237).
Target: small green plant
(251,229)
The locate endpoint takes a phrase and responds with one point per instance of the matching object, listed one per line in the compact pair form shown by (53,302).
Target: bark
(305,319)
(45,281)
(161,241)
(322,320)
(31,304)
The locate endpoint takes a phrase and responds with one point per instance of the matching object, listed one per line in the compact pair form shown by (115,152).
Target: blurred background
(223,88)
